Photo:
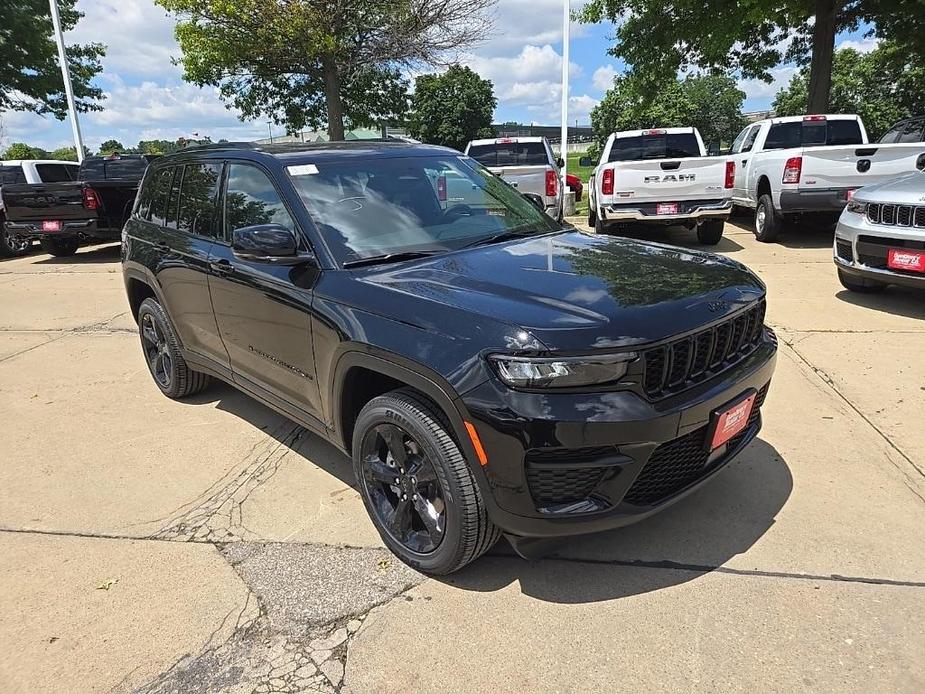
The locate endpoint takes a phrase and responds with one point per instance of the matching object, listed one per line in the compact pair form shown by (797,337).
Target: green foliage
(659,38)
(30,77)
(156,147)
(110,146)
(452,108)
(20,150)
(67,153)
(883,87)
(710,103)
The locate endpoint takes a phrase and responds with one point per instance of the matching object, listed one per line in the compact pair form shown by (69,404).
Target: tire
(404,421)
(767,222)
(592,218)
(709,233)
(10,248)
(171,374)
(60,248)
(859,284)
(600,227)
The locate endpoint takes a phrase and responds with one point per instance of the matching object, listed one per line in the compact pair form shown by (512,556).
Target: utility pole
(66,75)
(563,148)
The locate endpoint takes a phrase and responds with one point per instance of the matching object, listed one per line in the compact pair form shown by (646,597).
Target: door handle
(221,267)
(744,162)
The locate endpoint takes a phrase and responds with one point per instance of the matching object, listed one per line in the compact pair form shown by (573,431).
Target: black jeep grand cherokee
(488,370)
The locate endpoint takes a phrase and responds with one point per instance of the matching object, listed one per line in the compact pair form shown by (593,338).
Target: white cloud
(603,77)
(528,22)
(579,108)
(864,45)
(758,89)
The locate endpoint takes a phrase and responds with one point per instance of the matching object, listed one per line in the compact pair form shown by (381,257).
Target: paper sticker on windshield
(302,170)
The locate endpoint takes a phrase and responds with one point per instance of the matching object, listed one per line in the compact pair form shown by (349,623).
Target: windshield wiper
(495,238)
(390,258)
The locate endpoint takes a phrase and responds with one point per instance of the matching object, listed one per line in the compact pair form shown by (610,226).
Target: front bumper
(687,210)
(861,249)
(822,200)
(540,444)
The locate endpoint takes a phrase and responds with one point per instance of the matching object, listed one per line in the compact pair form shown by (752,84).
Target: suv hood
(908,189)
(577,292)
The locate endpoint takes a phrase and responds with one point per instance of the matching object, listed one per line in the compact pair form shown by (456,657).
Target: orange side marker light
(476,443)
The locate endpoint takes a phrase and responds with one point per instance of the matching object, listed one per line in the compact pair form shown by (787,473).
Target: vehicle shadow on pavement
(806,235)
(677,236)
(696,536)
(899,301)
(86,255)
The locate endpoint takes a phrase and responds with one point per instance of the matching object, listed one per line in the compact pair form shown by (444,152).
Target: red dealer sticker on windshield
(903,259)
(731,421)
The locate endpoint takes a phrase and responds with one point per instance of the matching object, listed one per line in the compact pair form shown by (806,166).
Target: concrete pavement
(212,545)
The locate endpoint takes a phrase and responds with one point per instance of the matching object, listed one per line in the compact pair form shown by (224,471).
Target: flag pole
(66,74)
(563,147)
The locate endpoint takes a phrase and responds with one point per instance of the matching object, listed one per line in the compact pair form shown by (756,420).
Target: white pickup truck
(16,171)
(786,168)
(527,163)
(660,176)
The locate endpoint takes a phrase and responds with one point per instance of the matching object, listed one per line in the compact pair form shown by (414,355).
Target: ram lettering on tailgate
(670,178)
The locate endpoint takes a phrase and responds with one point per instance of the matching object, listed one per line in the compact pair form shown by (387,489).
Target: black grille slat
(904,215)
(873,212)
(843,249)
(888,214)
(672,367)
(919,217)
(896,215)
(552,482)
(678,463)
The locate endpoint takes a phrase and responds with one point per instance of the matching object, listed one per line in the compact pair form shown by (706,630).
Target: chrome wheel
(760,218)
(157,351)
(402,486)
(16,245)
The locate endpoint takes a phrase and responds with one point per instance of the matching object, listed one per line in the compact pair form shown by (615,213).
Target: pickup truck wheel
(417,486)
(60,248)
(12,247)
(600,227)
(592,218)
(767,221)
(162,353)
(859,284)
(709,233)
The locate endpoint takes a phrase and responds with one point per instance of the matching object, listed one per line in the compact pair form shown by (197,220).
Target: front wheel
(60,248)
(162,353)
(709,233)
(859,284)
(417,486)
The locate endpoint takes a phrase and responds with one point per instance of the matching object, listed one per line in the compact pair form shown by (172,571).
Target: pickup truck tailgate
(666,180)
(527,179)
(843,166)
(37,202)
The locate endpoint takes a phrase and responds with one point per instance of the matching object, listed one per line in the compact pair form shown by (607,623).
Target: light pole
(66,74)
(563,148)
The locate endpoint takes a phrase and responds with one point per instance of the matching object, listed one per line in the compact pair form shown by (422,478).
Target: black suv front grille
(680,462)
(682,363)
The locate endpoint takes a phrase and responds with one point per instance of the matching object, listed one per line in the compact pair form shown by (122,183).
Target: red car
(575,185)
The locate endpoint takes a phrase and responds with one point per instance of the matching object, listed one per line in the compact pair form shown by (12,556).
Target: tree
(660,38)
(156,147)
(309,62)
(30,76)
(110,146)
(710,103)
(20,150)
(452,108)
(882,86)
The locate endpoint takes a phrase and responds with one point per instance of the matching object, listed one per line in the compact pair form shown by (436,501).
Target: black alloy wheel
(402,486)
(157,351)
(163,355)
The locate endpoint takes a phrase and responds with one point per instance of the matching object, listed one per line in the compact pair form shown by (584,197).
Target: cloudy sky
(147,99)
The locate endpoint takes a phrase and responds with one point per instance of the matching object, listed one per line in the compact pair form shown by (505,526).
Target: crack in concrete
(99,327)
(218,515)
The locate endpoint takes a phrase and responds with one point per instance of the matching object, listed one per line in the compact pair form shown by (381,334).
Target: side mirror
(585,162)
(560,162)
(266,243)
(537,201)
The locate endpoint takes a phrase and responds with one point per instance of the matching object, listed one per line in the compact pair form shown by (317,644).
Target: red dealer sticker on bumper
(51,225)
(902,259)
(666,208)
(731,421)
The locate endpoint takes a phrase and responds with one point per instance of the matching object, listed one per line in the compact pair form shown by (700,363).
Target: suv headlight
(561,372)
(856,207)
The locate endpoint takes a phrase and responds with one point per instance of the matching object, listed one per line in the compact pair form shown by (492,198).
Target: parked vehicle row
(92,201)
(488,369)
(26,171)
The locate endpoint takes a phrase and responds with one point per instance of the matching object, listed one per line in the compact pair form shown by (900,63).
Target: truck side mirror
(560,162)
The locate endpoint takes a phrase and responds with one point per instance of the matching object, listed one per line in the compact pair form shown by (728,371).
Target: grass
(584,173)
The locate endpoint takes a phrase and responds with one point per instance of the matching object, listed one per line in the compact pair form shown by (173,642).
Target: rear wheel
(417,486)
(709,233)
(767,221)
(162,353)
(859,284)
(592,218)
(12,247)
(60,247)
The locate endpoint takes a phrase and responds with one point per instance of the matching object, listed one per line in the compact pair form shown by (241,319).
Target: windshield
(511,153)
(381,206)
(654,146)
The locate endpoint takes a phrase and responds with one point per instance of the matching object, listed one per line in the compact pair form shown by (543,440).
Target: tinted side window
(783,135)
(750,140)
(173,201)
(198,205)
(910,132)
(737,143)
(10,175)
(250,199)
(890,136)
(53,173)
(159,189)
(843,132)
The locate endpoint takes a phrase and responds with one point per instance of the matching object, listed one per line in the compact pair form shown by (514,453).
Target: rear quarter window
(510,154)
(11,175)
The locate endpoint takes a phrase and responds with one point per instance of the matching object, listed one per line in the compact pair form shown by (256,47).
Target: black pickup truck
(61,215)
